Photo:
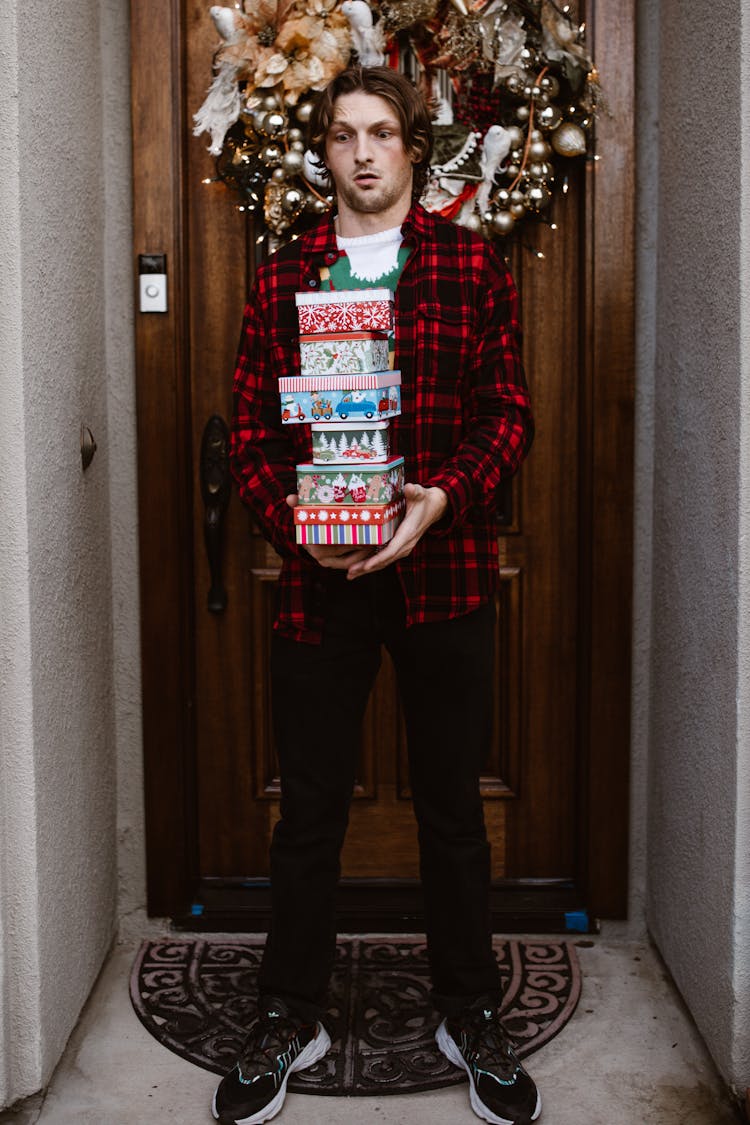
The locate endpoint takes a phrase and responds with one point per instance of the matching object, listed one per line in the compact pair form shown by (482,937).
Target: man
(427,595)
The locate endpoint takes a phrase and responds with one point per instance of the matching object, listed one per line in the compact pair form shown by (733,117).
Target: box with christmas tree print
(363,443)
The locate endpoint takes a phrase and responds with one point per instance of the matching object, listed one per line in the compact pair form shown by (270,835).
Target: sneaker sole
(447,1045)
(313,1052)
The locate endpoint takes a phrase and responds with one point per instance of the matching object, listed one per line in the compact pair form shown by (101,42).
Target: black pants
(444,672)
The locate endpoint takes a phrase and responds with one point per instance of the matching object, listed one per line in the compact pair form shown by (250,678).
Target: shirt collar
(320,242)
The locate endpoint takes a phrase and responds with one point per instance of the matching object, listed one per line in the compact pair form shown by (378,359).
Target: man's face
(366,157)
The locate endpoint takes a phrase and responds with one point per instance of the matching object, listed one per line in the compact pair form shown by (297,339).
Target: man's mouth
(366,179)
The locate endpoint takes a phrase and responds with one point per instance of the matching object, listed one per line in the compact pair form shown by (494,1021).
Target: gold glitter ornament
(397,15)
(459,42)
(569,139)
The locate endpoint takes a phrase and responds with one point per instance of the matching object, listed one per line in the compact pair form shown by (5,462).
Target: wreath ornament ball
(513,90)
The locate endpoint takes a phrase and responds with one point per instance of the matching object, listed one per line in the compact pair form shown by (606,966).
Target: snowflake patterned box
(351,484)
(351,443)
(356,526)
(345,310)
(349,353)
(336,398)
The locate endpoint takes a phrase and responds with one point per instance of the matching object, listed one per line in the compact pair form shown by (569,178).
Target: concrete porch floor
(630,1056)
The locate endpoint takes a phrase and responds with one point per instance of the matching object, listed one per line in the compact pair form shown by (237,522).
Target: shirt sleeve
(262,455)
(500,426)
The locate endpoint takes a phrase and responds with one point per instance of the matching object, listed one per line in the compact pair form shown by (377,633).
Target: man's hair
(409,105)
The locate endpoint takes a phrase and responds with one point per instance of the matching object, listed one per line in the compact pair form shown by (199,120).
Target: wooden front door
(555,781)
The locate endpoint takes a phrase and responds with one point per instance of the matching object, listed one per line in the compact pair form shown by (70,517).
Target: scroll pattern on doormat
(197,997)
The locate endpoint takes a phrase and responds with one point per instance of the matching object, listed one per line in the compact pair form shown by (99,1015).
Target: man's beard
(373,200)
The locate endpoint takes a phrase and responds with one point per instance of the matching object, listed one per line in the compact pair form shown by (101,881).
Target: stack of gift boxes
(352,492)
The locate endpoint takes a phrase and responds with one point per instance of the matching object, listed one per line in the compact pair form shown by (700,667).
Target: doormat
(198,996)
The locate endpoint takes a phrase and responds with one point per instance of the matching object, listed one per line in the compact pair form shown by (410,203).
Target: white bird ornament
(496,146)
(367,36)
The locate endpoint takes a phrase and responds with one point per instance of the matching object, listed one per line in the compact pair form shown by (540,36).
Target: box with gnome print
(352,491)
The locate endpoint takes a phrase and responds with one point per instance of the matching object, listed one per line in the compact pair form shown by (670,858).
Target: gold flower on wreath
(287,45)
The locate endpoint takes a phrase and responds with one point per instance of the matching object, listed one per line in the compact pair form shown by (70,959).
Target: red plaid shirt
(465,423)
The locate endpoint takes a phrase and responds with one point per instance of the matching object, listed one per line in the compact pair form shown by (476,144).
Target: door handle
(216,486)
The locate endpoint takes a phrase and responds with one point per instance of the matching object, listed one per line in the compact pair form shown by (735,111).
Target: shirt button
(331,257)
(312,283)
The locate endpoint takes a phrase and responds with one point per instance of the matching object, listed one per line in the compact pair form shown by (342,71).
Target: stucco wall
(699,665)
(66,265)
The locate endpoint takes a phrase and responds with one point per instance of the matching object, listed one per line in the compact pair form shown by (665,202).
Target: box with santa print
(345,310)
(351,484)
(338,398)
(343,353)
(350,443)
(359,525)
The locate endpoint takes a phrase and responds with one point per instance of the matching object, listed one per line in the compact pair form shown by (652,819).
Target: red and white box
(348,524)
(345,310)
(343,353)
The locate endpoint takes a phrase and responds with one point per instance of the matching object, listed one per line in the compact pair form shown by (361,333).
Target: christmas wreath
(512,86)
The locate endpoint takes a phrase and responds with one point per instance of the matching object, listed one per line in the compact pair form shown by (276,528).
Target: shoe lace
(490,1044)
(268,1037)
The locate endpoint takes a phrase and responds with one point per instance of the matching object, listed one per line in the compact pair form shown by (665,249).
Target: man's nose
(363,148)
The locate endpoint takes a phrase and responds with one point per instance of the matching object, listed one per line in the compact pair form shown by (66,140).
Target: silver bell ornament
(549,117)
(278,175)
(539,170)
(274,124)
(294,135)
(569,139)
(516,136)
(538,197)
(502,222)
(292,200)
(550,85)
(292,162)
(271,155)
(539,150)
(303,111)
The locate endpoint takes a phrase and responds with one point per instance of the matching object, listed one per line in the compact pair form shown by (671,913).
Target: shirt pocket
(444,341)
(444,336)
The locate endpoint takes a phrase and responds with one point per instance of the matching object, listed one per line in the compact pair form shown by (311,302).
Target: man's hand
(424,506)
(334,557)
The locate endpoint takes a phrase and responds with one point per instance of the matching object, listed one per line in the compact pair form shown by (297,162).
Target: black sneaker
(500,1090)
(276,1046)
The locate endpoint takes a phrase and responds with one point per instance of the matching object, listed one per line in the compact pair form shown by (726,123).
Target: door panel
(212,784)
